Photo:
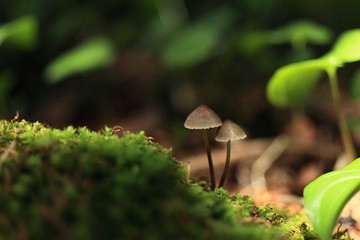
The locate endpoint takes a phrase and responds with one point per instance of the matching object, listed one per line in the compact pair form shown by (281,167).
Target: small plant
(290,85)
(326,196)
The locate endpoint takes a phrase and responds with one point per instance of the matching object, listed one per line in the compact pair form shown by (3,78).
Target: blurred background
(146,64)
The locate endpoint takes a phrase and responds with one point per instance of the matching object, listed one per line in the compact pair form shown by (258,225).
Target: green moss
(79,184)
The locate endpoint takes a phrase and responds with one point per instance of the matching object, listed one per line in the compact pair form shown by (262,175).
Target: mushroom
(228,132)
(204,118)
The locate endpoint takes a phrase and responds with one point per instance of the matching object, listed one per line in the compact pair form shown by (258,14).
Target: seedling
(290,85)
(204,118)
(228,132)
(325,197)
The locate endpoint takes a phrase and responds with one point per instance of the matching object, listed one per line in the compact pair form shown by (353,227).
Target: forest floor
(275,171)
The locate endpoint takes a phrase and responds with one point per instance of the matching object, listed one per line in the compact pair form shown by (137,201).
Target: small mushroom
(204,118)
(229,131)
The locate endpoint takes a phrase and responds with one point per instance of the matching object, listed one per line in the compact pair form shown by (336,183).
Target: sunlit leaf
(290,84)
(325,197)
(20,34)
(92,54)
(347,47)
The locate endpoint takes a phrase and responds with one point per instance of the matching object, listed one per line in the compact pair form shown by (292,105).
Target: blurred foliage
(94,53)
(79,184)
(196,42)
(20,34)
(299,34)
(162,52)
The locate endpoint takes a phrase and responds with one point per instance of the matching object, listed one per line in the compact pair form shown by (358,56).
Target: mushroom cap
(230,131)
(202,118)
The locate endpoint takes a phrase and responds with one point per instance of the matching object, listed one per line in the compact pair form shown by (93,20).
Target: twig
(264,162)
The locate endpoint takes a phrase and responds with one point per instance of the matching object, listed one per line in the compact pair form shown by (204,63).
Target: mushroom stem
(211,167)
(227,164)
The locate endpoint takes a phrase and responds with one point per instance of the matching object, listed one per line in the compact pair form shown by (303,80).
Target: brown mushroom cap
(230,131)
(202,118)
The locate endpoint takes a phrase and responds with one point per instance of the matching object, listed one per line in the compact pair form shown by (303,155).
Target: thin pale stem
(211,167)
(344,131)
(188,172)
(227,165)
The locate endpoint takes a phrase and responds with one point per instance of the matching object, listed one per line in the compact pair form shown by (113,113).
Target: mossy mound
(79,184)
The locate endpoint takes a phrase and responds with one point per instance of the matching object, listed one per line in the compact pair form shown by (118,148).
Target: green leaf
(20,34)
(94,53)
(290,84)
(325,197)
(347,47)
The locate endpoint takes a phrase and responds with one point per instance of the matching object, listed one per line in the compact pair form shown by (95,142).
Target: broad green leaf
(325,197)
(347,47)
(290,84)
(21,34)
(92,54)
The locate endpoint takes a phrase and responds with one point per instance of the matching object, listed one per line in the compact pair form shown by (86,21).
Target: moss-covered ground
(79,184)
